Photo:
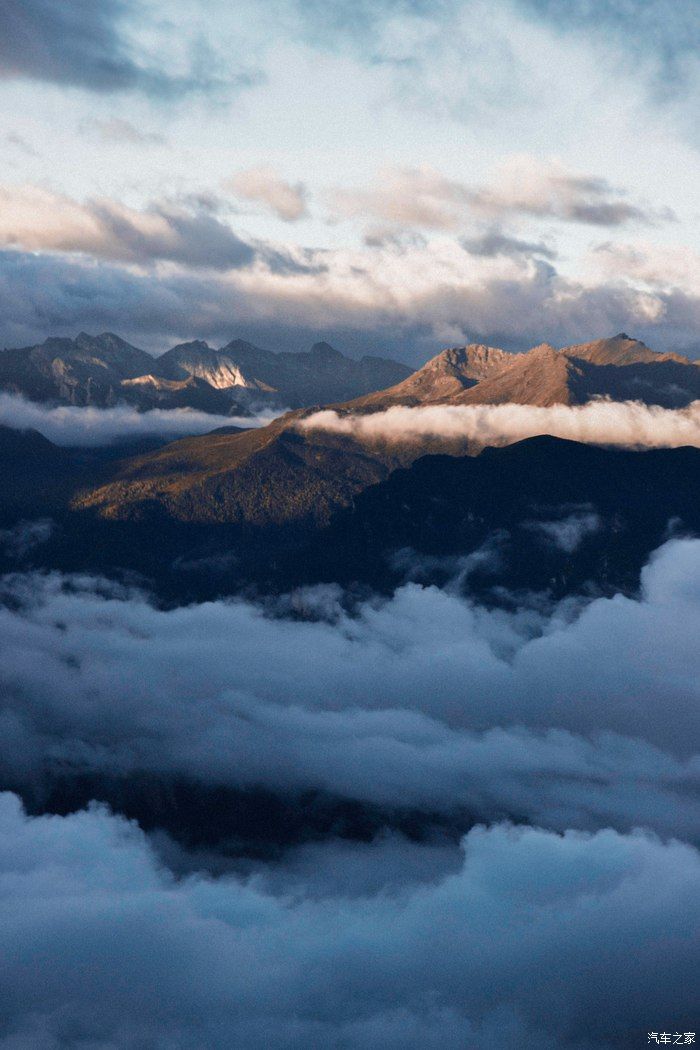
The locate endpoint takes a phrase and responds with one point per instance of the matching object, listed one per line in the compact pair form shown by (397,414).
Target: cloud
(39,220)
(523,185)
(626,423)
(408,197)
(23,537)
(89,427)
(669,33)
(94,47)
(409,300)
(529,186)
(580,715)
(494,243)
(103,946)
(568,533)
(287,201)
(14,139)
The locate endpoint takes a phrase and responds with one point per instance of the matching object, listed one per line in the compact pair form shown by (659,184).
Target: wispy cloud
(117,129)
(522,185)
(286,200)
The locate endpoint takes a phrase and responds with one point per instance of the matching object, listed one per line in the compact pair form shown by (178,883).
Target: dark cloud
(23,537)
(580,716)
(535,940)
(494,243)
(42,295)
(84,44)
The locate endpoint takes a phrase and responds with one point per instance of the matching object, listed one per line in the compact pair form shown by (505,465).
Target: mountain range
(281,475)
(238,378)
(105,370)
(541,515)
(289,505)
(620,368)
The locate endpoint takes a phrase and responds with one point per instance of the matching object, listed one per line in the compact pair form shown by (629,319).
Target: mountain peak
(619,349)
(325,351)
(543,350)
(242,344)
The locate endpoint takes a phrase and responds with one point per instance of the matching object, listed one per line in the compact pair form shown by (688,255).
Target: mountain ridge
(618,367)
(281,475)
(237,379)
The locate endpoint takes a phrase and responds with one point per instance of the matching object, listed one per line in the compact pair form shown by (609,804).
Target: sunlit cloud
(287,201)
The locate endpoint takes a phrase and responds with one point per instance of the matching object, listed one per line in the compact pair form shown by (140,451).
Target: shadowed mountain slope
(540,515)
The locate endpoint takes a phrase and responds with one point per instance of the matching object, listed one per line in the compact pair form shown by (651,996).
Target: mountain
(540,515)
(87,370)
(105,370)
(290,380)
(620,368)
(35,474)
(547,515)
(280,475)
(443,377)
(271,476)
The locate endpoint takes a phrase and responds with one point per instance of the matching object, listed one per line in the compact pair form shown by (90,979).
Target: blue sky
(396,177)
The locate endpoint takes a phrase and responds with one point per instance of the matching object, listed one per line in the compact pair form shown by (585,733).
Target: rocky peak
(325,352)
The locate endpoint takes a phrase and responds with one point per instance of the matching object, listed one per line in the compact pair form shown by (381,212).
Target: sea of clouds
(579,941)
(551,898)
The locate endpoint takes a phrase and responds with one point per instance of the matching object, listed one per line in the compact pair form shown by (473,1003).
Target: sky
(394,176)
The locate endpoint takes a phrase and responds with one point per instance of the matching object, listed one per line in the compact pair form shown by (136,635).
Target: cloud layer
(72,425)
(104,947)
(572,717)
(627,423)
(36,219)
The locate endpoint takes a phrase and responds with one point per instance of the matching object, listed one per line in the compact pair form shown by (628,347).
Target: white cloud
(568,533)
(626,423)
(37,219)
(73,425)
